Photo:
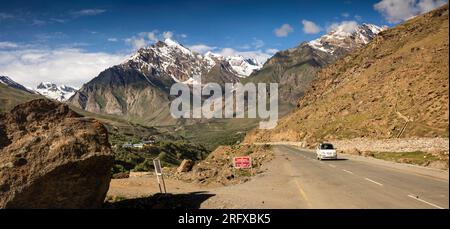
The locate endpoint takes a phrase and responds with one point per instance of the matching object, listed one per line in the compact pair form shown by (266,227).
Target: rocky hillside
(52,157)
(10,97)
(5,80)
(397,86)
(294,69)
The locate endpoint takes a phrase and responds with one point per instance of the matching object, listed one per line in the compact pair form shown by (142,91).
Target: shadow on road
(190,200)
(340,159)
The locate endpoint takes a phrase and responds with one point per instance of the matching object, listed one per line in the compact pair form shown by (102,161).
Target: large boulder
(185,166)
(52,157)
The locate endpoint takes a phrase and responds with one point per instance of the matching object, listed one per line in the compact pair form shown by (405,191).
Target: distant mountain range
(138,88)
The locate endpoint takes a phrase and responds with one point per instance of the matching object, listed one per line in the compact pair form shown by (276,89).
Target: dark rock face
(52,157)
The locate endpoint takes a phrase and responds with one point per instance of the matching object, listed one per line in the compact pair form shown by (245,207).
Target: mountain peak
(346,37)
(5,80)
(171,43)
(52,91)
(171,58)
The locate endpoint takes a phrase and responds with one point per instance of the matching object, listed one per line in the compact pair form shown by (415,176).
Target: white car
(326,151)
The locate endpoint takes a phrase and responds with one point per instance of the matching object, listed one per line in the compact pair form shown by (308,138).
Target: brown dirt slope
(217,168)
(402,76)
(10,97)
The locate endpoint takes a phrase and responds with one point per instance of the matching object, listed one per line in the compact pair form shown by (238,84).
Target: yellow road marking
(302,192)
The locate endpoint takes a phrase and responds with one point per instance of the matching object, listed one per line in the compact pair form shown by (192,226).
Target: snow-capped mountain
(140,86)
(11,83)
(170,58)
(240,65)
(52,91)
(296,68)
(341,39)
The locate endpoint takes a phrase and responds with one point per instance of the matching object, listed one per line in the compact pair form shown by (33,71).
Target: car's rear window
(327,146)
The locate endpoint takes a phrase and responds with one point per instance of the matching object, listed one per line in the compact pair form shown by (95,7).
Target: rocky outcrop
(185,166)
(52,157)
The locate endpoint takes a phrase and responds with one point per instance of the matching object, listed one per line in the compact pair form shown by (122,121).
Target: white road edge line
(332,165)
(347,171)
(423,201)
(367,179)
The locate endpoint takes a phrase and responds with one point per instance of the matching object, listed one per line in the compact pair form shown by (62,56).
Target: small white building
(138,146)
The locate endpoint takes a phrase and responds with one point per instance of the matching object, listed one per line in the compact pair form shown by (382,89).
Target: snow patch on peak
(171,43)
(172,59)
(241,66)
(346,36)
(52,91)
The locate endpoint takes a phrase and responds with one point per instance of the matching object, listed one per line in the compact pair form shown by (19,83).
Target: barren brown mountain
(397,86)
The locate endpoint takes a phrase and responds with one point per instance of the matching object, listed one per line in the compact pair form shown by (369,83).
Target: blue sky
(235,24)
(113,29)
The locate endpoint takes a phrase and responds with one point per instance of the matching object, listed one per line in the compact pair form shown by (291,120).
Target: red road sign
(242,162)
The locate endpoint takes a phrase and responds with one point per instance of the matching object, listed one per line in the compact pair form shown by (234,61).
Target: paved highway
(350,183)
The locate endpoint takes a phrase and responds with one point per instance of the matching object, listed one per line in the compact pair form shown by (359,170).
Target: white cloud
(37,22)
(429,5)
(201,48)
(183,35)
(396,11)
(167,34)
(137,42)
(7,44)
(345,14)
(151,36)
(62,66)
(257,43)
(59,20)
(310,27)
(272,51)
(142,39)
(4,16)
(88,12)
(246,46)
(112,39)
(284,30)
(344,26)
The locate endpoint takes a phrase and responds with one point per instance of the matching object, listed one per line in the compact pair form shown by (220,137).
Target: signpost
(158,173)
(244,162)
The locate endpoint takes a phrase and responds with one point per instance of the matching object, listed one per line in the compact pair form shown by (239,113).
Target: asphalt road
(350,183)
